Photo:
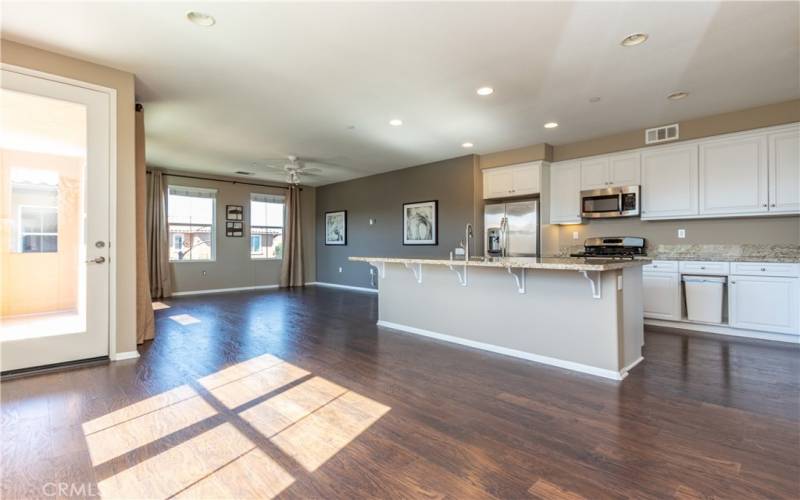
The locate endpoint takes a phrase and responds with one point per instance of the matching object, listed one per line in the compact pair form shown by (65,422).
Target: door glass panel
(43,154)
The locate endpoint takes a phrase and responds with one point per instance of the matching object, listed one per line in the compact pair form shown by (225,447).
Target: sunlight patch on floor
(239,370)
(319,436)
(253,386)
(253,475)
(179,467)
(308,422)
(185,319)
(128,436)
(281,411)
(157,306)
(139,408)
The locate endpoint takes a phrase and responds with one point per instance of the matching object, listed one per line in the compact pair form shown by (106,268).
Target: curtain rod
(221,180)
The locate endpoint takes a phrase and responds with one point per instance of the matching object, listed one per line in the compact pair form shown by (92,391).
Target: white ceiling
(272,79)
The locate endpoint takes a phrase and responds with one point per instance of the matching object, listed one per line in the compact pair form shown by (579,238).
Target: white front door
(55,142)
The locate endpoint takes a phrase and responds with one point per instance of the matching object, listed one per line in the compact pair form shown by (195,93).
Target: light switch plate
(340,269)
(371,222)
(575,235)
(681,233)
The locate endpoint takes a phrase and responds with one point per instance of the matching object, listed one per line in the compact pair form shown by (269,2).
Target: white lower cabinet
(662,295)
(765,303)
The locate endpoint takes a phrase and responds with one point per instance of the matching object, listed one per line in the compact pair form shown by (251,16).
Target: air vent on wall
(242,172)
(661,134)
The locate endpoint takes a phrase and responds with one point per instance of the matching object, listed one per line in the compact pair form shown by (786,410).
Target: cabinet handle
(765,205)
(763,269)
(773,205)
(733,282)
(702,267)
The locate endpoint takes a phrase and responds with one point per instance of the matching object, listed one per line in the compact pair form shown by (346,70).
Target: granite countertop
(548,263)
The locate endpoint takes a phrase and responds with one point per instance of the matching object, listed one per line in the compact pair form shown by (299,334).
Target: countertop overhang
(547,263)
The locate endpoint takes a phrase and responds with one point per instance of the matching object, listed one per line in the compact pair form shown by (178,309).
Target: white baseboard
(124,355)
(344,287)
(724,330)
(224,290)
(569,365)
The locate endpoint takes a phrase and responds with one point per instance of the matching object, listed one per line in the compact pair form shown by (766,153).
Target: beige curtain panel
(157,237)
(145,322)
(292,267)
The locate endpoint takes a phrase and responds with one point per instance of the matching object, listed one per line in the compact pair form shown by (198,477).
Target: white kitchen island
(583,315)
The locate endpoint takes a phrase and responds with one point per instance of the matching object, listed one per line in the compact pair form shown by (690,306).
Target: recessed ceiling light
(550,125)
(395,122)
(677,96)
(485,91)
(467,145)
(201,18)
(634,39)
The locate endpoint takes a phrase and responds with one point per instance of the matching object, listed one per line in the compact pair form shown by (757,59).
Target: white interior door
(54,203)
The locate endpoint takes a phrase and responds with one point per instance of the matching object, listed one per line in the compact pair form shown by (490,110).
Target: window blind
(195,192)
(267,198)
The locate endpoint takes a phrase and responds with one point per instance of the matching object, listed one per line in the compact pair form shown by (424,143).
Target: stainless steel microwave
(620,201)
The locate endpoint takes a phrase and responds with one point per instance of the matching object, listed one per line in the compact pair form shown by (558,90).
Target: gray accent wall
(380,197)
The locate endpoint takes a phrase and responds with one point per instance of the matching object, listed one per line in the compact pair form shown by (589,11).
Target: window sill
(190,261)
(266,259)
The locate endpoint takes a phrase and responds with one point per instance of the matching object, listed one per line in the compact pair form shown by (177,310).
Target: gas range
(615,247)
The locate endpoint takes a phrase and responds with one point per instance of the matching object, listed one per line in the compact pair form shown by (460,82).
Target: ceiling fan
(294,168)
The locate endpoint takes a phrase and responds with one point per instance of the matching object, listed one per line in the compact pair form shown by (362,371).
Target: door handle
(96,260)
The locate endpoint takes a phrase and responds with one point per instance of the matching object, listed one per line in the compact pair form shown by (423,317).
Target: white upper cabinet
(669,182)
(610,171)
(733,175)
(565,196)
(784,171)
(514,180)
(623,170)
(594,173)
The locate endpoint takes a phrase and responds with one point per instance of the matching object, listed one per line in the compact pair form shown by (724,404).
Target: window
(34,200)
(191,220)
(266,226)
(38,229)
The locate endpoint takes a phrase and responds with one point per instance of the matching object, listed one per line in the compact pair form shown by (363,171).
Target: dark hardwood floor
(356,411)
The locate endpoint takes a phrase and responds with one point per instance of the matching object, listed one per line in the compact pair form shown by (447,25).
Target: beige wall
(233,267)
(125,239)
(768,230)
(513,156)
(735,121)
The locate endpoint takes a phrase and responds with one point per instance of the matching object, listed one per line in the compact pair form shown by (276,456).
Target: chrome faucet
(467,237)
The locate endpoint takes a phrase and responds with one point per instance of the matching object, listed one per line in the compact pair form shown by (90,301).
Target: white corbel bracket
(416,269)
(519,277)
(595,280)
(381,267)
(462,275)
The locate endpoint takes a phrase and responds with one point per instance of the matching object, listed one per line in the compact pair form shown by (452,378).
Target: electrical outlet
(371,222)
(205,273)
(681,233)
(340,269)
(575,235)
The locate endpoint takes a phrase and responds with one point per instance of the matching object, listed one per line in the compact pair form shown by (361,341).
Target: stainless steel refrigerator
(511,229)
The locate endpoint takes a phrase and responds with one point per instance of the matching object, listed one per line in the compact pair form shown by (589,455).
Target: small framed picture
(336,228)
(420,225)
(234,229)
(234,212)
